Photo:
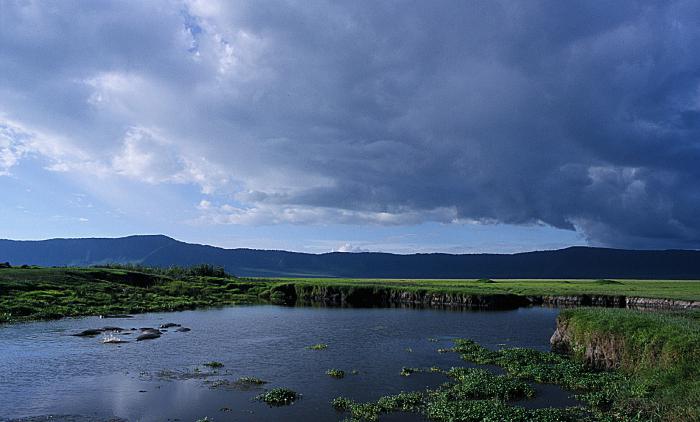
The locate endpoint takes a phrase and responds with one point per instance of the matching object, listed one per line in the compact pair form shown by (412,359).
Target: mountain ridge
(162,250)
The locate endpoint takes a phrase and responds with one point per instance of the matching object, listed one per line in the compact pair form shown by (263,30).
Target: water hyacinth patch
(250,381)
(341,404)
(402,402)
(335,373)
(278,397)
(319,346)
(407,371)
(474,383)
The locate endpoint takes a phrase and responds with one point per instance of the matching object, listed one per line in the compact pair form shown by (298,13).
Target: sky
(317,126)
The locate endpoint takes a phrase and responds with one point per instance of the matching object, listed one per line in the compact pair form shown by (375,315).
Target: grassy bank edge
(658,351)
(687,290)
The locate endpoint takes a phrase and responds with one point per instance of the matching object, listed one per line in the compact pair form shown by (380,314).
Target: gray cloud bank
(579,115)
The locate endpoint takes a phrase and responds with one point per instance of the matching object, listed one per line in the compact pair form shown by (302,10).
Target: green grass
(661,289)
(50,293)
(659,356)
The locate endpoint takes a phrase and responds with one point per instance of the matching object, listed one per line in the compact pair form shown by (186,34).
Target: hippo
(150,331)
(148,336)
(169,325)
(89,333)
(110,328)
(183,329)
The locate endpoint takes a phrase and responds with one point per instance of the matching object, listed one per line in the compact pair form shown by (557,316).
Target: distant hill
(163,251)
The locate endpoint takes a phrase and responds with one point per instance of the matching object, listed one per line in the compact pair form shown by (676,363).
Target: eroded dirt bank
(387,296)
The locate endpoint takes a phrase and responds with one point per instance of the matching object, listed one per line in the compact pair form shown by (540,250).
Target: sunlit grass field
(47,293)
(659,289)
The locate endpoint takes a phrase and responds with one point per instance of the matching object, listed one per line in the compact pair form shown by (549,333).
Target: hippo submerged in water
(96,331)
(89,333)
(148,334)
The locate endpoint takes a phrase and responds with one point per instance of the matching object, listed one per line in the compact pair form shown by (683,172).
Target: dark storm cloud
(578,115)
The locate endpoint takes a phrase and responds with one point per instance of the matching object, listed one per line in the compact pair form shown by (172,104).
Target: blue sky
(484,126)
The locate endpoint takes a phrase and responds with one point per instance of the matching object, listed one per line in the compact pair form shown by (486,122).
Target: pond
(46,371)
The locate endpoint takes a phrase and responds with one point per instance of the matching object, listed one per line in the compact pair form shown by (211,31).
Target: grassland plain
(655,289)
(47,293)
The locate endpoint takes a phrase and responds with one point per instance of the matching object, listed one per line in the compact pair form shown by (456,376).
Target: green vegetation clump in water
(336,373)
(402,402)
(214,364)
(250,381)
(452,402)
(407,371)
(447,408)
(598,389)
(319,346)
(472,395)
(658,378)
(243,383)
(278,397)
(341,404)
(658,367)
(473,383)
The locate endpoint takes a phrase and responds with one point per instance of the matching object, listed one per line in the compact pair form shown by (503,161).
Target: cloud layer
(578,116)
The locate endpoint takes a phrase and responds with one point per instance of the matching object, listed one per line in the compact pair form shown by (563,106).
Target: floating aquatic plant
(278,397)
(407,371)
(336,373)
(319,346)
(250,381)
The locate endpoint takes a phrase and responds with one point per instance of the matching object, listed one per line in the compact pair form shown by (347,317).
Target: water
(45,371)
